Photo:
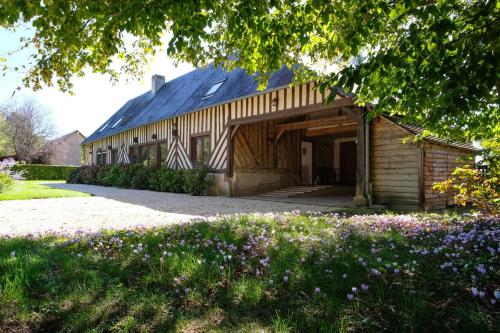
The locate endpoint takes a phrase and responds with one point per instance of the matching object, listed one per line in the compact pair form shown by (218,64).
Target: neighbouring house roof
(62,137)
(185,94)
(417,130)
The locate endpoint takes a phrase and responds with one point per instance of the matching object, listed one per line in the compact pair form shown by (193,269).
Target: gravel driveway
(123,209)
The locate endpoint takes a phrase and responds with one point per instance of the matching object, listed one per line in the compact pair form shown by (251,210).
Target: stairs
(298,191)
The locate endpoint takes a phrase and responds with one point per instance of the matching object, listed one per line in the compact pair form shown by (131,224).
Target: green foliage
(5,182)
(197,180)
(434,62)
(44,172)
(138,176)
(35,189)
(229,275)
(471,186)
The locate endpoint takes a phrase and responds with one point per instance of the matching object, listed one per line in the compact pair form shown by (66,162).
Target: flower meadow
(288,272)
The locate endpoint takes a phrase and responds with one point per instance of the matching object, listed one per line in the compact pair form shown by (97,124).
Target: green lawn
(281,273)
(34,189)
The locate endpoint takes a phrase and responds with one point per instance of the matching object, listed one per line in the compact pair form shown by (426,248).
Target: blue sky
(95,99)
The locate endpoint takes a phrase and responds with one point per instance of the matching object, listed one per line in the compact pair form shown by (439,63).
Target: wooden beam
(233,132)
(330,130)
(321,122)
(360,199)
(278,136)
(293,112)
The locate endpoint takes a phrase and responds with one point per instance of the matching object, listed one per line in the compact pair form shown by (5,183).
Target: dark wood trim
(316,123)
(206,133)
(298,111)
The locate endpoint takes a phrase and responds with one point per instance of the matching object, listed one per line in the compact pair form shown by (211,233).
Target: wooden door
(348,162)
(307,162)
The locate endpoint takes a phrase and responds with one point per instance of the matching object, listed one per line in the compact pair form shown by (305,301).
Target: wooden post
(360,199)
(230,159)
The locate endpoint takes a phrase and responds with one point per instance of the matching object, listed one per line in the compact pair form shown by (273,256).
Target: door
(307,162)
(348,162)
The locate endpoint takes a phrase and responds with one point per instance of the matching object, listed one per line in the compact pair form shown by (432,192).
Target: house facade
(257,141)
(66,150)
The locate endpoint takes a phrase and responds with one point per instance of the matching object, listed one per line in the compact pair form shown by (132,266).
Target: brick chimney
(156,82)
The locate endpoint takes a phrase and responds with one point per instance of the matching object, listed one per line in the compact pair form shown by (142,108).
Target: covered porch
(317,150)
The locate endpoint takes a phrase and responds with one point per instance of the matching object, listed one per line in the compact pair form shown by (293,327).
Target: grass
(35,189)
(267,273)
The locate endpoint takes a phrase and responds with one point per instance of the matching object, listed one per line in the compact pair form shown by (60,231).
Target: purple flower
(364,287)
(285,279)
(317,290)
(497,294)
(350,297)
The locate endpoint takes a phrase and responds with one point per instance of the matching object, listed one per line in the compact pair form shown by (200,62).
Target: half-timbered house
(260,141)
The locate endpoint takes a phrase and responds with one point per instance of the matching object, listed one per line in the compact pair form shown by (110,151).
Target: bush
(5,182)
(44,172)
(138,176)
(469,185)
(197,181)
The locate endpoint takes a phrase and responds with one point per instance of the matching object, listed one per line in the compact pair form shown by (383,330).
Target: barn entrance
(314,154)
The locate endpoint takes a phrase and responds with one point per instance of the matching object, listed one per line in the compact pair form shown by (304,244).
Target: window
(100,157)
(114,156)
(151,155)
(213,89)
(200,150)
(132,154)
(117,122)
(102,128)
(142,158)
(162,153)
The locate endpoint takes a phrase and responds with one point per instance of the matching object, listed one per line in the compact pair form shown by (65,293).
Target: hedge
(44,172)
(137,176)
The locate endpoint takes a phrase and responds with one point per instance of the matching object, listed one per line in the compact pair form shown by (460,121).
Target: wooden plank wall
(212,121)
(394,166)
(439,163)
(254,148)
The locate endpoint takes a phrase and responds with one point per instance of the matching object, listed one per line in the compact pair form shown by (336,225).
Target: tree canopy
(434,62)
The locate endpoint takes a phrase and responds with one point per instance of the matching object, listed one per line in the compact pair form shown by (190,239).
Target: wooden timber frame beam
(294,112)
(316,123)
(358,114)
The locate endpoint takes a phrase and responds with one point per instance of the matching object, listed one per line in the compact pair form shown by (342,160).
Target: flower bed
(282,272)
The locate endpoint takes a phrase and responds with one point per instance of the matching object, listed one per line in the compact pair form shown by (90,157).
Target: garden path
(113,208)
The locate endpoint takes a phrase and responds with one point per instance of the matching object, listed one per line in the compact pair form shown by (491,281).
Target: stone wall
(251,182)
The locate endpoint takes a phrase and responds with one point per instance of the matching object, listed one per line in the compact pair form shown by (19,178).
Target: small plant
(5,182)
(469,185)
(197,180)
(7,175)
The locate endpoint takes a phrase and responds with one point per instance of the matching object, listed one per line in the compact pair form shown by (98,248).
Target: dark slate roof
(417,130)
(185,94)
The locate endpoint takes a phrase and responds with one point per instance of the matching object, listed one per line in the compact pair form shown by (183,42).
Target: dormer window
(117,122)
(102,128)
(213,89)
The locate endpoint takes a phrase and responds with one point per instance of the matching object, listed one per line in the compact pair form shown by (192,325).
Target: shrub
(113,174)
(197,181)
(44,172)
(5,182)
(469,185)
(138,176)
